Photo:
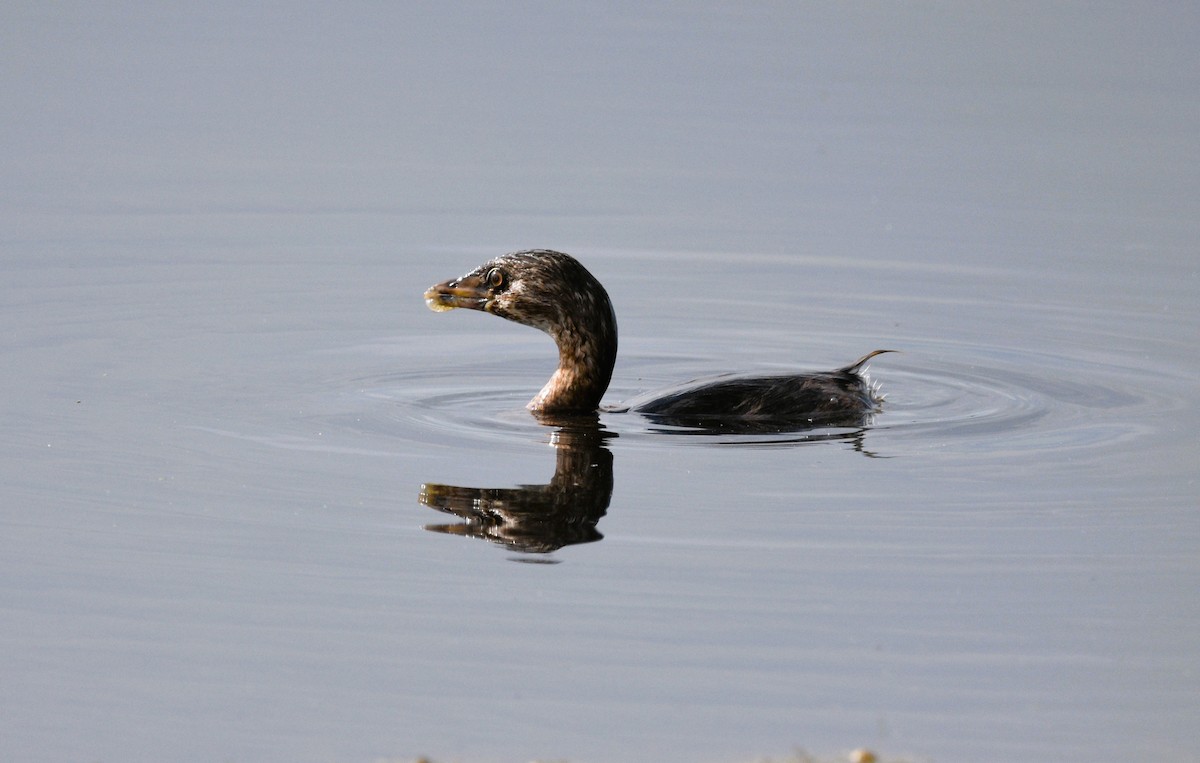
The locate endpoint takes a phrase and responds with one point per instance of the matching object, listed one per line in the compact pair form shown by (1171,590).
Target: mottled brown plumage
(553,292)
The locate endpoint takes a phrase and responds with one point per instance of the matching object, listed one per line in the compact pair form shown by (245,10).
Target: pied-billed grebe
(553,292)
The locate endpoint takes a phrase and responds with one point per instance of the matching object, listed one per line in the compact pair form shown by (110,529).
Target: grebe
(553,292)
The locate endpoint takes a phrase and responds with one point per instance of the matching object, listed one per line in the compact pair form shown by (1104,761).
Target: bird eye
(495,278)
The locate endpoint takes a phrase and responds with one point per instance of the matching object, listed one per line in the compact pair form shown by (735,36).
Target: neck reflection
(538,519)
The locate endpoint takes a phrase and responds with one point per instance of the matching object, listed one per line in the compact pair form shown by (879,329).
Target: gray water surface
(225,402)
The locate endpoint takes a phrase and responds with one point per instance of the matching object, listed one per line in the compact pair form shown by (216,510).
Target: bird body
(552,291)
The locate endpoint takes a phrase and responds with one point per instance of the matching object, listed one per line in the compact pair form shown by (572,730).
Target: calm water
(228,416)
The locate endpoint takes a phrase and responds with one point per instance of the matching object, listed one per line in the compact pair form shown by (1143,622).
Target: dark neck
(587,351)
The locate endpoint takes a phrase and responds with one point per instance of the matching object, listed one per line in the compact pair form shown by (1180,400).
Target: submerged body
(553,292)
(844,397)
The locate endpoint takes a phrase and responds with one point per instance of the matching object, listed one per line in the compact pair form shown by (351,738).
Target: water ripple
(972,399)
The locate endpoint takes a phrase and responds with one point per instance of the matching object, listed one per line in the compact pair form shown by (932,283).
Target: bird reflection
(538,519)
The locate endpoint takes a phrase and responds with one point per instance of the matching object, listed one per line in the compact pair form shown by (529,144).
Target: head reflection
(538,519)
